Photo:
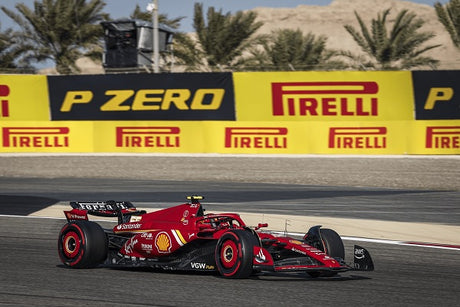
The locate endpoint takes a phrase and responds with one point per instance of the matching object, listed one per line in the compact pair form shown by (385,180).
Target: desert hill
(330,20)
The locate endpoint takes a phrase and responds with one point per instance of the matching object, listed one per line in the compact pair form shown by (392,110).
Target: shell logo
(163,242)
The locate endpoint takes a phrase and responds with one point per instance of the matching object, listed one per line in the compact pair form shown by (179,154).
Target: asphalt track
(404,276)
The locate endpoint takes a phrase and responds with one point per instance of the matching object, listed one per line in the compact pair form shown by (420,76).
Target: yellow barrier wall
(277,113)
(385,137)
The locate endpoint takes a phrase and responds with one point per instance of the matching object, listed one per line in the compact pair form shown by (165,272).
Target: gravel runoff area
(415,172)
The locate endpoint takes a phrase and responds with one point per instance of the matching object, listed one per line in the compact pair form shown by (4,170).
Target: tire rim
(71,244)
(229,254)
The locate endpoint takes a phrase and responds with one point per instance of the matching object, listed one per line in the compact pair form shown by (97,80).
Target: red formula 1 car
(185,238)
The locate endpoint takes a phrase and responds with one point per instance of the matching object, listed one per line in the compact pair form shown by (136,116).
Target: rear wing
(121,209)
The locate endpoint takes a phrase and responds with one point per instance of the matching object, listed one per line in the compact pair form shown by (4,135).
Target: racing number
(149,99)
(438,94)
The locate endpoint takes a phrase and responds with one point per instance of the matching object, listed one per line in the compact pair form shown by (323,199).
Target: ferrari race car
(184,238)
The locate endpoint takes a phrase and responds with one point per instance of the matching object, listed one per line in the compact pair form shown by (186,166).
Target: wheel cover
(71,244)
(229,254)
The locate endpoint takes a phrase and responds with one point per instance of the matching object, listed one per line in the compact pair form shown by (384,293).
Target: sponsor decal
(296,250)
(101,206)
(135,218)
(129,246)
(163,242)
(35,137)
(359,253)
(129,226)
(436,94)
(4,106)
(358,137)
(184,219)
(142,97)
(148,137)
(201,266)
(147,247)
(148,100)
(325,99)
(443,137)
(73,216)
(256,137)
(147,235)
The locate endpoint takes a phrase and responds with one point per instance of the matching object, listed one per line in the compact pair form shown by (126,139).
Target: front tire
(82,244)
(332,245)
(234,254)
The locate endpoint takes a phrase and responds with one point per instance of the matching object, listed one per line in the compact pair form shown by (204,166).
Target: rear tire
(234,254)
(82,244)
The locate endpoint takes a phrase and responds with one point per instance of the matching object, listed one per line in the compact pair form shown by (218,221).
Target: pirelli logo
(148,137)
(35,137)
(256,137)
(325,99)
(4,107)
(358,137)
(443,137)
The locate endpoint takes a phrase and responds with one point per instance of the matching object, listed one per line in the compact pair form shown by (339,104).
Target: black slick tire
(234,254)
(82,244)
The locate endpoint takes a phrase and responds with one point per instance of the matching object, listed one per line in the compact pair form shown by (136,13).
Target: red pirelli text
(4,104)
(256,137)
(325,99)
(443,137)
(148,137)
(358,137)
(35,137)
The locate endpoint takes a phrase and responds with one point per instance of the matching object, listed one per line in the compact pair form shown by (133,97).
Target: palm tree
(60,30)
(220,39)
(449,16)
(399,48)
(287,49)
(10,53)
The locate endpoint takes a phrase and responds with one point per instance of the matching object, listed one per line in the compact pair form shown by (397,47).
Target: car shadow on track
(24,205)
(267,276)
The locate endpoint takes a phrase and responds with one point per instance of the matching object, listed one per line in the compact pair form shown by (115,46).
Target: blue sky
(177,8)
